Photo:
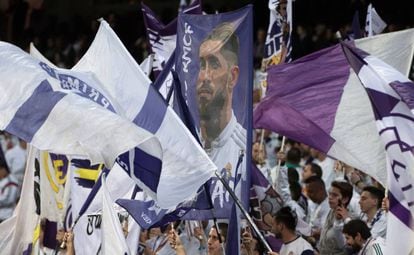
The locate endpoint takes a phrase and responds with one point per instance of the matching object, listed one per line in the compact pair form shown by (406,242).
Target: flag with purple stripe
(392,99)
(176,171)
(162,39)
(319,101)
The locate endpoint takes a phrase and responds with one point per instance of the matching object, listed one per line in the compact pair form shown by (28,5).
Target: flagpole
(244,212)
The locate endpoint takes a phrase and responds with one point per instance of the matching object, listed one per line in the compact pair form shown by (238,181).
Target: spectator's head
(340,194)
(371,199)
(258,153)
(315,189)
(311,169)
(214,246)
(284,220)
(356,232)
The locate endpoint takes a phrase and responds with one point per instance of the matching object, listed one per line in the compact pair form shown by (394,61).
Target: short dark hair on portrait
(226,33)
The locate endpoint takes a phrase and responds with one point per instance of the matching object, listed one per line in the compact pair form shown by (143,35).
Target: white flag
(374,24)
(113,240)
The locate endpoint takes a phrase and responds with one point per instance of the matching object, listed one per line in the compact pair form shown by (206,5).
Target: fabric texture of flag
(113,239)
(233,232)
(180,158)
(19,234)
(392,99)
(52,103)
(319,101)
(222,118)
(162,39)
(374,24)
(278,46)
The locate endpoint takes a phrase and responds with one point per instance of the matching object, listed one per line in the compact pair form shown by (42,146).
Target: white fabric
(23,73)
(374,246)
(224,152)
(395,126)
(296,247)
(374,24)
(354,117)
(185,165)
(328,172)
(319,215)
(17,232)
(146,64)
(113,240)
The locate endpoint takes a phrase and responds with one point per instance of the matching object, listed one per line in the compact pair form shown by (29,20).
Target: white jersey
(225,152)
(319,215)
(299,246)
(373,246)
(378,224)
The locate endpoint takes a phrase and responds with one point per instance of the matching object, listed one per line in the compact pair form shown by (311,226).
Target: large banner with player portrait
(214,65)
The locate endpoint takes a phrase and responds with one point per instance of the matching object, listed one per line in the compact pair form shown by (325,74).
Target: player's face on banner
(213,79)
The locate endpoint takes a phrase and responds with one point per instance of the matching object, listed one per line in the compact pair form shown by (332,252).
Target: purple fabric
(302,97)
(406,91)
(382,103)
(355,56)
(152,113)
(31,115)
(272,201)
(402,213)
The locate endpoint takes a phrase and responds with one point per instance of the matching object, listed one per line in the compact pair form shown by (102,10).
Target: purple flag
(319,101)
(392,99)
(264,202)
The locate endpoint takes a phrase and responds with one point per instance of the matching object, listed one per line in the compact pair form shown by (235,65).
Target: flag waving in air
(392,99)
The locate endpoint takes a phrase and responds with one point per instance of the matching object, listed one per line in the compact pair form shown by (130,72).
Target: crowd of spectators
(337,201)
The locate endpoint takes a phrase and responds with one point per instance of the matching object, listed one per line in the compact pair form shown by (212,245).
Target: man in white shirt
(316,192)
(284,227)
(358,237)
(375,218)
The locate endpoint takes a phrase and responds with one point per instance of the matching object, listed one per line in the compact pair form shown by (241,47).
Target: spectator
(359,238)
(284,227)
(316,192)
(311,169)
(373,215)
(332,241)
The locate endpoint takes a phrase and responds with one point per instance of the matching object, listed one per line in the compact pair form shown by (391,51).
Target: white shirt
(299,246)
(378,224)
(319,215)
(373,246)
(328,172)
(225,151)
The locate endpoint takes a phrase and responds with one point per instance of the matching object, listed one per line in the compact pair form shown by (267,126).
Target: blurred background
(63,29)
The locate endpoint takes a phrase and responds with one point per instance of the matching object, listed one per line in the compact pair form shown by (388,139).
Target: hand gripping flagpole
(244,212)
